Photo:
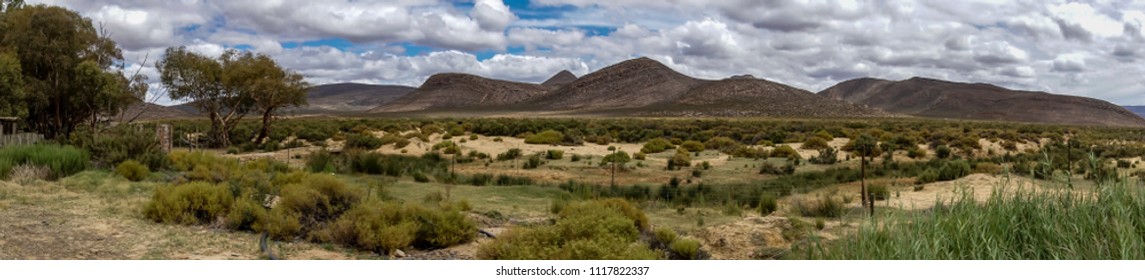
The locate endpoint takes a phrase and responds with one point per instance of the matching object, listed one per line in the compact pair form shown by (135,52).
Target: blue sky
(1087,48)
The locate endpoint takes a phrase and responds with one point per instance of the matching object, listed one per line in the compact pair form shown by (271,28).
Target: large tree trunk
(265,131)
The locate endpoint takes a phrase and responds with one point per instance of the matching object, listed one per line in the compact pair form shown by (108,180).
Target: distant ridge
(462,91)
(934,98)
(343,97)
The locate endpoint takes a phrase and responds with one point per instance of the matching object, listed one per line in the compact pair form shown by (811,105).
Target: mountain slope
(630,84)
(353,97)
(926,97)
(560,79)
(748,96)
(462,91)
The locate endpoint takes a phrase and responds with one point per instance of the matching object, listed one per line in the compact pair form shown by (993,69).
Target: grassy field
(717,200)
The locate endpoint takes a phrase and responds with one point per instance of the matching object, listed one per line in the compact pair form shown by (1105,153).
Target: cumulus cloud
(1077,47)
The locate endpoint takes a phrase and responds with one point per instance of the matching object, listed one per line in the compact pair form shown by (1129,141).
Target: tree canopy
(229,87)
(57,70)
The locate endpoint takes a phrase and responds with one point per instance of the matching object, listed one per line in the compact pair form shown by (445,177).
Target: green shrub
(915,153)
(551,137)
(953,170)
(308,205)
(124,142)
(656,145)
(928,176)
(555,154)
(63,161)
(191,203)
(322,161)
(591,230)
(687,249)
(722,144)
(665,236)
(820,206)
(533,162)
(878,192)
(768,203)
(692,146)
(826,156)
(441,228)
(511,154)
(942,152)
(987,168)
(132,170)
(784,151)
(575,158)
(363,141)
(246,214)
(815,143)
(678,160)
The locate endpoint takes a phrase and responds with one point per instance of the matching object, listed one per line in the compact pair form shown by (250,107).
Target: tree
(230,86)
(65,63)
(865,147)
(270,87)
(616,158)
(11,87)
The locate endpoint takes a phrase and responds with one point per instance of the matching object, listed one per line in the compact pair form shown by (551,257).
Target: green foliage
(723,144)
(555,154)
(815,143)
(942,152)
(768,203)
(322,161)
(363,141)
(191,203)
(784,151)
(656,145)
(953,170)
(878,192)
(67,70)
(533,161)
(824,135)
(592,230)
(865,146)
(246,214)
(620,158)
(768,168)
(1100,225)
(551,137)
(928,176)
(109,147)
(62,160)
(692,146)
(309,205)
(826,156)
(664,236)
(511,154)
(916,153)
(678,160)
(819,206)
(132,170)
(687,249)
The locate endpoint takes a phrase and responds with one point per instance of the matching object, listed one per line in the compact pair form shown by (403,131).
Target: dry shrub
(819,206)
(191,203)
(25,174)
(132,170)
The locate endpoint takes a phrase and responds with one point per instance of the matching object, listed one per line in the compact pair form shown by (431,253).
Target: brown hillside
(352,97)
(943,99)
(150,111)
(748,96)
(462,91)
(630,84)
(560,79)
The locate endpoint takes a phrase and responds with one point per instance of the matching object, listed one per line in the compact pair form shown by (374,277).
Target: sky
(1086,48)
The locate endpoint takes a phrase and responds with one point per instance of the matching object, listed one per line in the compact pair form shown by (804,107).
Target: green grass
(62,160)
(1108,223)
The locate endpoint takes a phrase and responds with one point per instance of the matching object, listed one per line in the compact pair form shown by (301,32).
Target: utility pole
(613,149)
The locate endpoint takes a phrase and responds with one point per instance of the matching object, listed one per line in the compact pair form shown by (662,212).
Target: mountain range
(646,87)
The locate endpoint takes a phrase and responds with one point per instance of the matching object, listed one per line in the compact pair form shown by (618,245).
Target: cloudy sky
(1087,48)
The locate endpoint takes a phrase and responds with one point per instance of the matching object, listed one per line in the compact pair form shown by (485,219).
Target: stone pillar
(163,131)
